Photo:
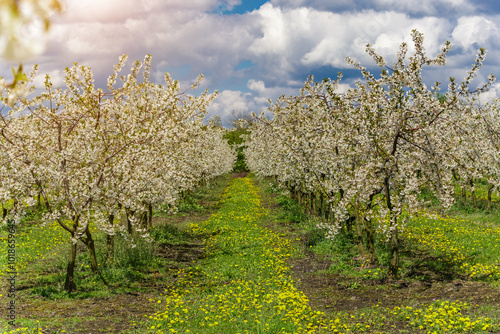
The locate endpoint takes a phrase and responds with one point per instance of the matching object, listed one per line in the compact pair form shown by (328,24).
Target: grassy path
(244,285)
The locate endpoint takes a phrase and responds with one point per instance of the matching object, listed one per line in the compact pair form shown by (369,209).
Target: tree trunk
(358,237)
(69,284)
(39,201)
(313,204)
(331,215)
(129,213)
(394,264)
(370,241)
(321,210)
(473,193)
(394,242)
(305,207)
(110,242)
(150,216)
(490,191)
(144,220)
(89,242)
(306,200)
(464,194)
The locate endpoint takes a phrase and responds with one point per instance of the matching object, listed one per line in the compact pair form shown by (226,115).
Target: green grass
(244,285)
(465,242)
(235,274)
(464,245)
(33,242)
(292,211)
(456,244)
(190,204)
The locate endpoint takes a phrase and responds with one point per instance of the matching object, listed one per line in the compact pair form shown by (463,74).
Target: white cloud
(347,35)
(82,39)
(229,102)
(422,8)
(342,88)
(285,40)
(256,85)
(100,11)
(493,93)
(425,7)
(474,29)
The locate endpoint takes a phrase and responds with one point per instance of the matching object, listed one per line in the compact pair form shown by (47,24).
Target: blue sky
(251,51)
(240,7)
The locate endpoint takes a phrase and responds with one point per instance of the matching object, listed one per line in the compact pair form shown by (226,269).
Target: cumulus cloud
(493,93)
(256,85)
(282,41)
(308,37)
(474,29)
(176,33)
(230,102)
(56,77)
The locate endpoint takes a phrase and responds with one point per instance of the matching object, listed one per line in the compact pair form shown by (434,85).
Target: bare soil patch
(113,314)
(237,175)
(182,253)
(333,292)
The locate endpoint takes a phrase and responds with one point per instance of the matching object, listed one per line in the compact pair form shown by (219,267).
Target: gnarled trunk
(69,284)
(89,242)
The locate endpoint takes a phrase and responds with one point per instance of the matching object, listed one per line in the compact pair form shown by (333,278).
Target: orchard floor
(328,292)
(114,312)
(333,293)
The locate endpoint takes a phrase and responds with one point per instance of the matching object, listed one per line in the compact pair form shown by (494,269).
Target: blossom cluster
(86,154)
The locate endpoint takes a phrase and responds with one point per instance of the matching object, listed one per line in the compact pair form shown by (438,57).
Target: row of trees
(367,154)
(89,155)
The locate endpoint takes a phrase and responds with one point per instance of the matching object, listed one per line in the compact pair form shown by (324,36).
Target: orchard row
(362,158)
(79,154)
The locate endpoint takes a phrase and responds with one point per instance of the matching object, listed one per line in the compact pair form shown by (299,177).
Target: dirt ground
(332,292)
